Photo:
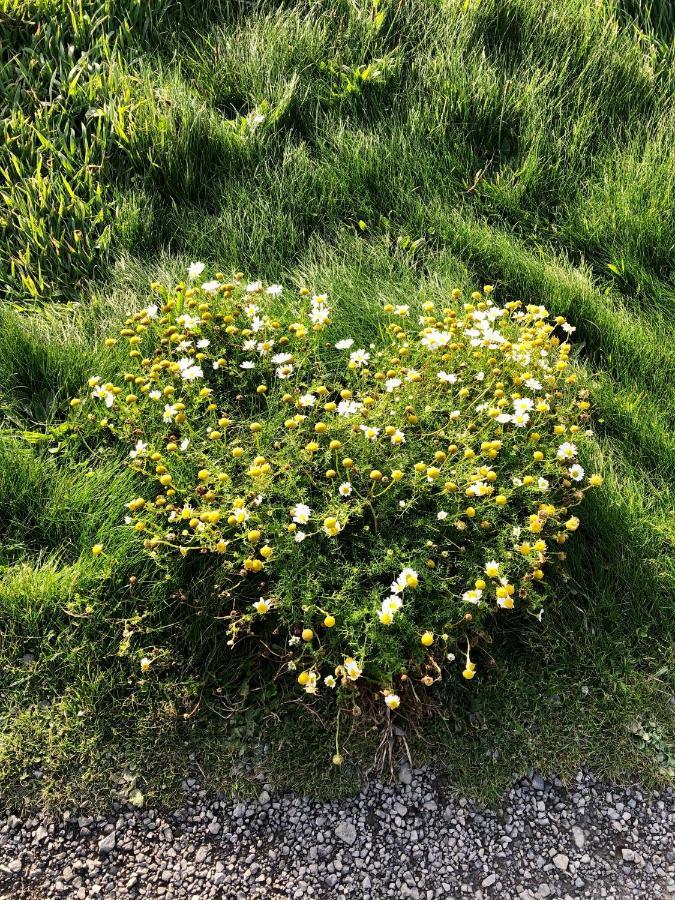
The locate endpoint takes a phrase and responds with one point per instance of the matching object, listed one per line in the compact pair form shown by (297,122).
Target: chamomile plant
(368,511)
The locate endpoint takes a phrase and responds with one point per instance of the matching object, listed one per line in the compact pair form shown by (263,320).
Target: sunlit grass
(375,151)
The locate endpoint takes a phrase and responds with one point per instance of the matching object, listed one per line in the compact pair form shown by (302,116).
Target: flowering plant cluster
(367,510)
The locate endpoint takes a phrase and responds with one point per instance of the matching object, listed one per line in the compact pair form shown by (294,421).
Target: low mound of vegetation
(376,507)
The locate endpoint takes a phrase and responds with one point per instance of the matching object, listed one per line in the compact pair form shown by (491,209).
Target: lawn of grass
(372,150)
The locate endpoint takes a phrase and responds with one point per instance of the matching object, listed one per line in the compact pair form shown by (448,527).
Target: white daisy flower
(523,404)
(348,407)
(319,315)
(566,451)
(435,339)
(195,269)
(139,450)
(105,394)
(189,323)
(280,358)
(301,513)
(370,432)
(359,357)
(192,373)
(352,669)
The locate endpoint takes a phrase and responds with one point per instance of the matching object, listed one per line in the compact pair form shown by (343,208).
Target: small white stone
(561,861)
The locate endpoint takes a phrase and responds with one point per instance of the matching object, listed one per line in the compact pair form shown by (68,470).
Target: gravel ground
(411,839)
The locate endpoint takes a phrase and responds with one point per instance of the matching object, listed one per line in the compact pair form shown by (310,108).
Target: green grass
(433,143)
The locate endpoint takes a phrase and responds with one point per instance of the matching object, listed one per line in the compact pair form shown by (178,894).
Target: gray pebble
(346,832)
(107,843)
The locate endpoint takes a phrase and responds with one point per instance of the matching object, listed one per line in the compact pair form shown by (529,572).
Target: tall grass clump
(63,95)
